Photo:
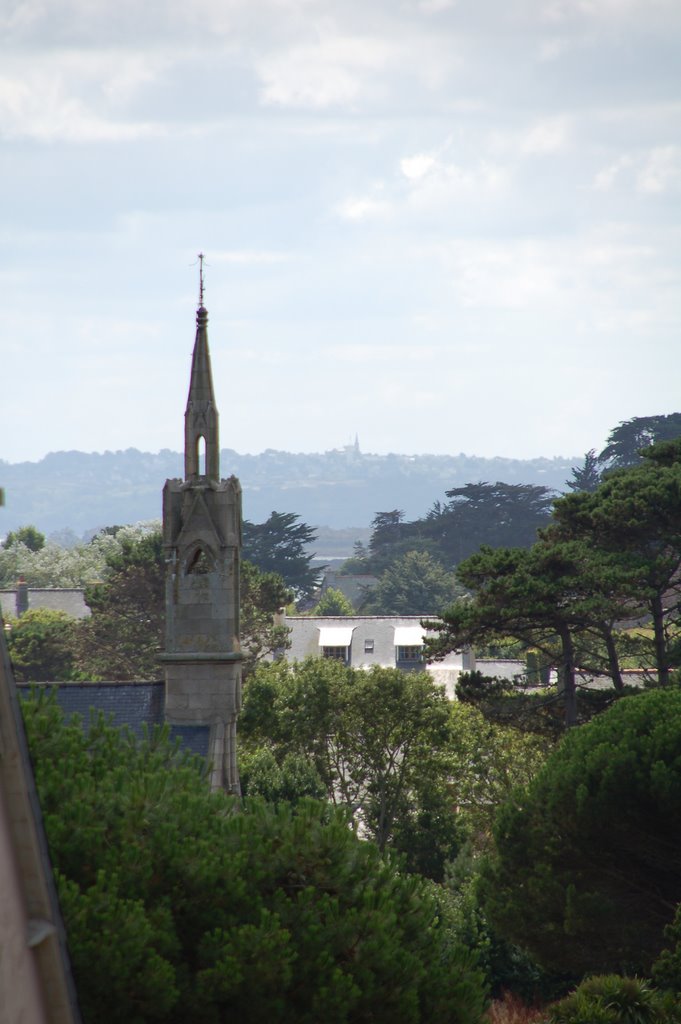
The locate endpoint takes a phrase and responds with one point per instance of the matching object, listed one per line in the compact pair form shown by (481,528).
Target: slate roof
(62,599)
(140,706)
(354,587)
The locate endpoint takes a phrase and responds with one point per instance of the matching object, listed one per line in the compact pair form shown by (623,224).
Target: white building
(360,641)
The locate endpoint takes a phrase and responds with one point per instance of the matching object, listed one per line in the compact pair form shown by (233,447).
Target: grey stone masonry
(202,542)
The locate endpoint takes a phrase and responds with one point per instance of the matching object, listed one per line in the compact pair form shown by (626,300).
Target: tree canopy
(182,907)
(587,867)
(31,537)
(414,584)
(334,602)
(40,644)
(280,545)
(375,738)
(626,441)
(609,557)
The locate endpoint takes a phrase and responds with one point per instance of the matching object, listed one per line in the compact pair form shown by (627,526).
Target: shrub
(613,999)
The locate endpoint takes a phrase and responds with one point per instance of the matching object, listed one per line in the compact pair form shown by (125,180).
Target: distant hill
(338,489)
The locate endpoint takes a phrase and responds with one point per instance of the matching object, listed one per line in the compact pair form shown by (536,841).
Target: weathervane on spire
(201,259)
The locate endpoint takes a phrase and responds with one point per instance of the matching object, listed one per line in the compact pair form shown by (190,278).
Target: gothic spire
(201,439)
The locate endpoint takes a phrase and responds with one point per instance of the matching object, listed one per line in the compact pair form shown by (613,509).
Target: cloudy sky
(442,225)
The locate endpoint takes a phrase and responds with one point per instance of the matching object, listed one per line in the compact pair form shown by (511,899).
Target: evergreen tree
(183,907)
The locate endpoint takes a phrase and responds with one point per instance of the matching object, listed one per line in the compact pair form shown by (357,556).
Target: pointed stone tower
(202,541)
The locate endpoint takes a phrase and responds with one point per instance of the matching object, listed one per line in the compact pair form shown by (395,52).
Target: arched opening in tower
(201,455)
(199,564)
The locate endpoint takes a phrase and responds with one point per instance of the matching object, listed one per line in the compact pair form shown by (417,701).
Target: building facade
(362,641)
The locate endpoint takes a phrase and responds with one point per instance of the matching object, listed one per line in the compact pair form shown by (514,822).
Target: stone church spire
(202,542)
(201,432)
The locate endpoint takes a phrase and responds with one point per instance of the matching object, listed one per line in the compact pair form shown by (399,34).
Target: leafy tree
(626,441)
(477,514)
(496,515)
(32,538)
(375,738)
(280,545)
(667,968)
(485,763)
(414,584)
(635,518)
(122,637)
(262,594)
(586,872)
(207,911)
(333,602)
(587,476)
(556,597)
(57,566)
(40,645)
(294,779)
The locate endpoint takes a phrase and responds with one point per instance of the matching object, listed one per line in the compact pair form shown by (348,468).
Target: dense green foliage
(40,644)
(667,968)
(416,774)
(627,440)
(587,476)
(613,999)
(29,536)
(413,584)
(610,555)
(280,545)
(374,738)
(587,868)
(122,637)
(494,514)
(333,602)
(633,520)
(184,908)
(56,566)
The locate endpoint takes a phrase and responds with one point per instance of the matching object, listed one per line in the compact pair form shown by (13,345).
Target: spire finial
(201,259)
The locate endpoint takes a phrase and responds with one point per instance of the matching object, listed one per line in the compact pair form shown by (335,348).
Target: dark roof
(193,738)
(140,706)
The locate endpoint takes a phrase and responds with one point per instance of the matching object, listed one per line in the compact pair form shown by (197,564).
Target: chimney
(22,596)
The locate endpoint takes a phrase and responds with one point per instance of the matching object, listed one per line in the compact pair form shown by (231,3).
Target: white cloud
(606,177)
(549,135)
(416,167)
(359,208)
(336,70)
(662,170)
(438,183)
(656,171)
(75,97)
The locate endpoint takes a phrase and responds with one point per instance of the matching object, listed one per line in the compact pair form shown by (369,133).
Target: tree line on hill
(82,492)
